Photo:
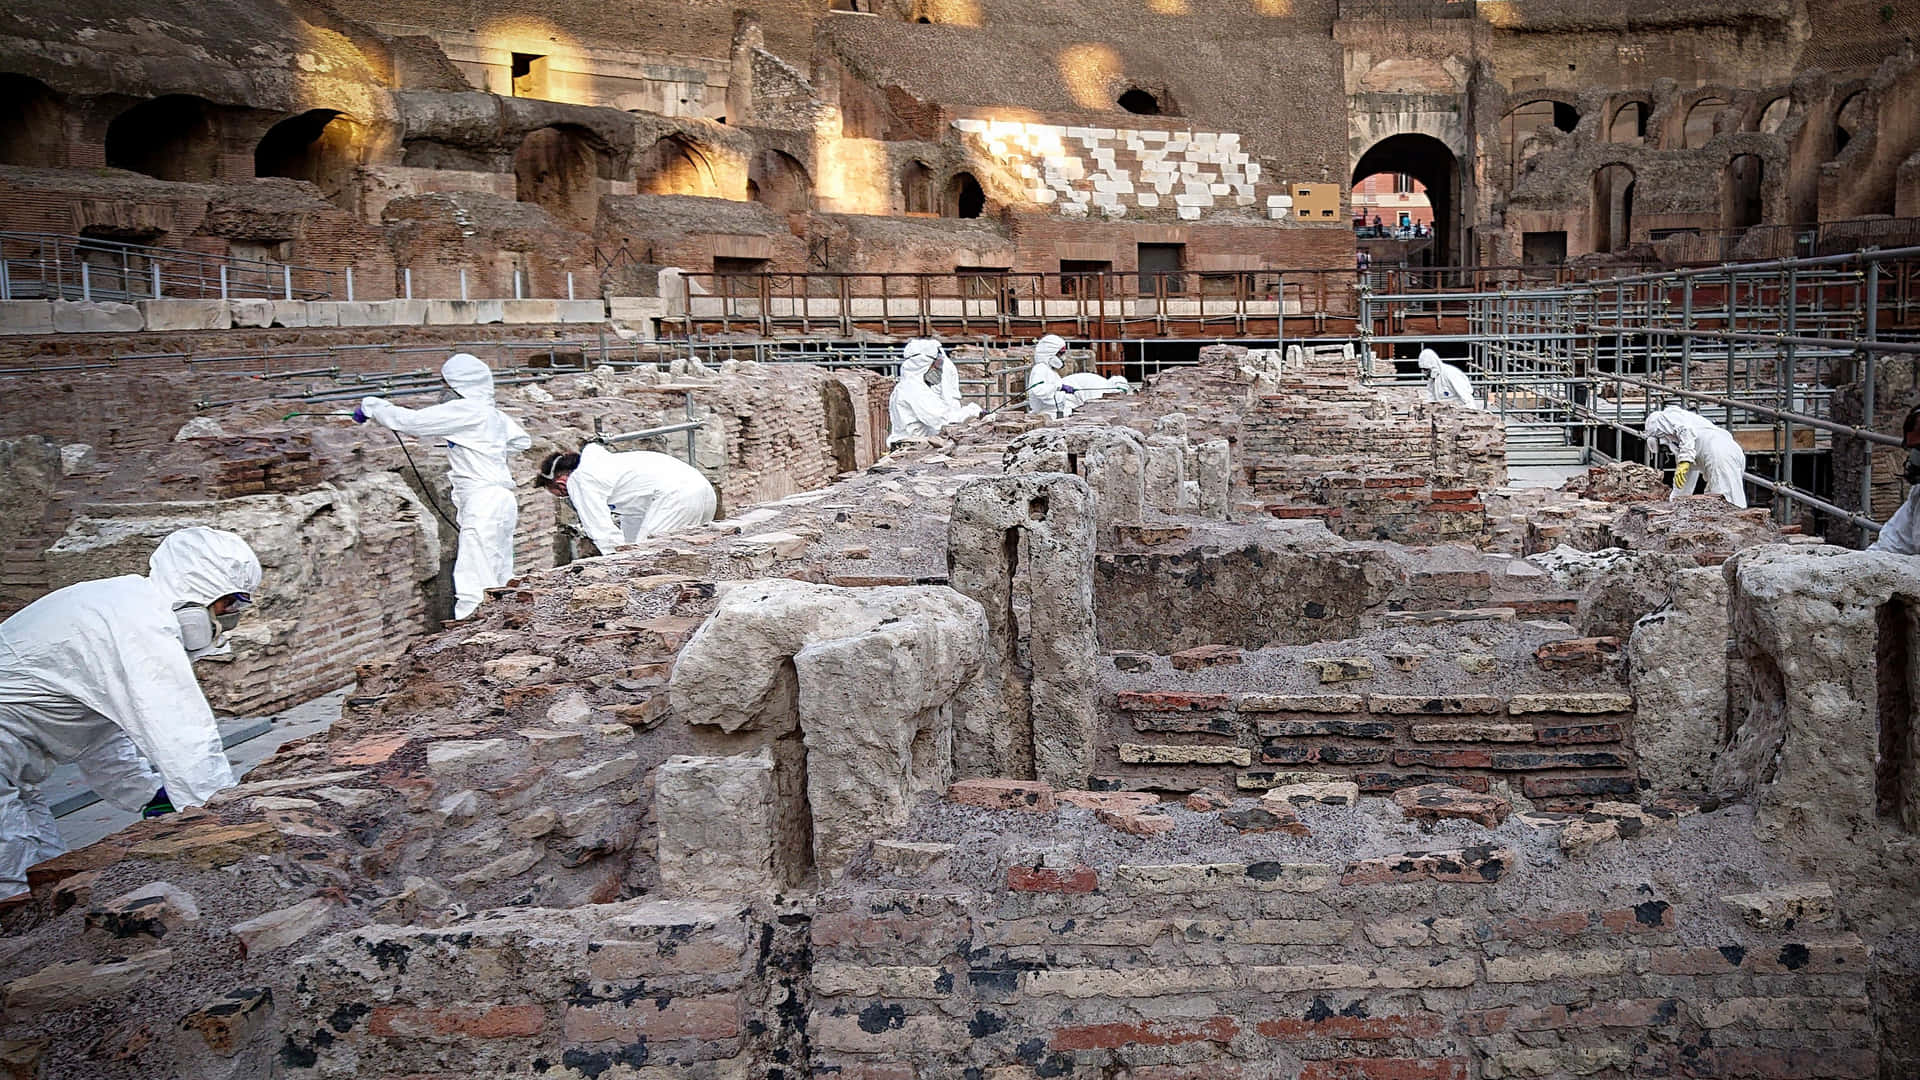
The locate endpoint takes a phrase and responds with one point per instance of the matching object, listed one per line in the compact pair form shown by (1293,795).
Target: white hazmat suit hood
(918,410)
(1046,391)
(649,493)
(1901,534)
(479,439)
(1706,448)
(1446,383)
(96,674)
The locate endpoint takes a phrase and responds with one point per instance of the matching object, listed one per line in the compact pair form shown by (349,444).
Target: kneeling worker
(1446,382)
(100,675)
(651,494)
(1700,446)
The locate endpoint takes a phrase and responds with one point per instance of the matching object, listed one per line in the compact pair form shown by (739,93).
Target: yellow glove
(1680,475)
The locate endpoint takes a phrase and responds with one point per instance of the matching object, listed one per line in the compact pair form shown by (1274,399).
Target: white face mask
(200,633)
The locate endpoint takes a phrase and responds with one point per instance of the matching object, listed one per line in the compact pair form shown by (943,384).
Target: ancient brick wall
(1390,969)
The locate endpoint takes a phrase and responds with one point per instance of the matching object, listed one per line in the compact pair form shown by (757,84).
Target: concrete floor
(250,740)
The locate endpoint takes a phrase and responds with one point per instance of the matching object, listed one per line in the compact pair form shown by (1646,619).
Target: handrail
(40,265)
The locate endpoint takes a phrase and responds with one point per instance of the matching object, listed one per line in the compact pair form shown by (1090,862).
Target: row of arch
(1742,206)
(562,167)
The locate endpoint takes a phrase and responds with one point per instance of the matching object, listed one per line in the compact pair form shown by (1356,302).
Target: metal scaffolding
(1759,348)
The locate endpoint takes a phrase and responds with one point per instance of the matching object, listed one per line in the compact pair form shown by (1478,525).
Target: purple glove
(359,415)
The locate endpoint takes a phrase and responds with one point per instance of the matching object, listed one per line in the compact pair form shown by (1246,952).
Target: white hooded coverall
(479,438)
(1901,534)
(917,410)
(649,493)
(1088,386)
(1446,382)
(1712,450)
(1046,391)
(96,675)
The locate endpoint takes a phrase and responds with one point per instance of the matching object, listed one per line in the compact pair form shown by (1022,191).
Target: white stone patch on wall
(1116,171)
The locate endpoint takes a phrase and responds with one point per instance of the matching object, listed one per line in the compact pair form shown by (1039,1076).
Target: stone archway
(1437,168)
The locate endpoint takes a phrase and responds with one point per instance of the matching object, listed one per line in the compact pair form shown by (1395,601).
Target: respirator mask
(1913,466)
(205,634)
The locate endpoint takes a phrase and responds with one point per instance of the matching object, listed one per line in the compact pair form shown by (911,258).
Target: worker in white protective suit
(1700,447)
(1901,534)
(1046,391)
(919,409)
(100,675)
(624,498)
(1446,383)
(479,438)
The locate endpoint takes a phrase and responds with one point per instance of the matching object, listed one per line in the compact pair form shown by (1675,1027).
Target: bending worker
(100,675)
(1046,392)
(1901,534)
(918,409)
(1446,382)
(650,494)
(479,438)
(1699,446)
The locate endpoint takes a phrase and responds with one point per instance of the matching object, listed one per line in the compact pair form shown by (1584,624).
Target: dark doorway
(168,138)
(1160,266)
(1427,160)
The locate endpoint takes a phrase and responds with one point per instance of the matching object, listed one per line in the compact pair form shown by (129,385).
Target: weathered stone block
(1329,793)
(993,794)
(1158,754)
(26,317)
(1037,718)
(228,1021)
(152,910)
(1340,668)
(1434,802)
(1417,705)
(464,312)
(717,833)
(83,317)
(869,677)
(278,929)
(65,985)
(185,314)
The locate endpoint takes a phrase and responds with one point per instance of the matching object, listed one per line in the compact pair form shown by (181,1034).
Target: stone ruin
(1140,745)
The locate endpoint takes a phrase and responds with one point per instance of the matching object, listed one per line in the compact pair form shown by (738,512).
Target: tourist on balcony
(100,675)
(479,438)
(1901,534)
(924,401)
(625,498)
(1446,383)
(1699,446)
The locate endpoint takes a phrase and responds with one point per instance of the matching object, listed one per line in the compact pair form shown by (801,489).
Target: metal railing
(51,266)
(1756,347)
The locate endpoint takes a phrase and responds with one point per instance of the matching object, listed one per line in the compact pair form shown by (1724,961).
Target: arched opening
(1700,120)
(1851,116)
(169,138)
(556,169)
(1612,207)
(1430,164)
(780,181)
(916,188)
(1773,116)
(1519,127)
(1740,182)
(315,146)
(30,124)
(1629,124)
(674,166)
(1139,102)
(964,198)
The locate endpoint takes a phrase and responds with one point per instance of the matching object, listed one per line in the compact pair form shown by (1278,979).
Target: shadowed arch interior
(1429,161)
